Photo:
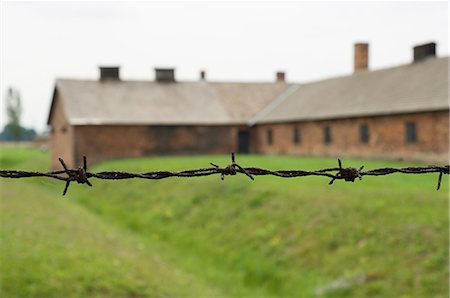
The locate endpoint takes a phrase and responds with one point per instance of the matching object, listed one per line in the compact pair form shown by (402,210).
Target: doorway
(244,141)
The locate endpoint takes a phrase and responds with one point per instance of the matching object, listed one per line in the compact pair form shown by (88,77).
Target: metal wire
(81,174)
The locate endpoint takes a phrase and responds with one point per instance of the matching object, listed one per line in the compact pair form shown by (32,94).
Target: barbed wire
(81,174)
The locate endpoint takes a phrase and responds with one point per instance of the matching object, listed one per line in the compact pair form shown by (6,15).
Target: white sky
(233,41)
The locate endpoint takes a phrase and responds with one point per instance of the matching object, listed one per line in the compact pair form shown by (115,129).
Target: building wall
(387,137)
(108,142)
(62,137)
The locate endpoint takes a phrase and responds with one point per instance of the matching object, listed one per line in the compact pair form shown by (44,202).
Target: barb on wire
(81,174)
(231,169)
(348,174)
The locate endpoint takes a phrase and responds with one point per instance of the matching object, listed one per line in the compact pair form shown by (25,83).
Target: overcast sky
(232,41)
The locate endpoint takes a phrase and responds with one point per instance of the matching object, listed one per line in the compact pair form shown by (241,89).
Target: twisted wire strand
(81,174)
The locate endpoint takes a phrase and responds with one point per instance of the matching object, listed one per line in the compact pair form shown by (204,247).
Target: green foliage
(235,238)
(14,112)
(13,133)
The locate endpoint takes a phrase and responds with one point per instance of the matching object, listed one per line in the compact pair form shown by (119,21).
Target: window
(411,132)
(296,135)
(269,137)
(364,134)
(327,135)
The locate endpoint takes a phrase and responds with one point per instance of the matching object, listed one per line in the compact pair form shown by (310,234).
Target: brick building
(399,112)
(111,118)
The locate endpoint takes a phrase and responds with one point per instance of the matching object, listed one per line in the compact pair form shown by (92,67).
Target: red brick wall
(387,137)
(121,141)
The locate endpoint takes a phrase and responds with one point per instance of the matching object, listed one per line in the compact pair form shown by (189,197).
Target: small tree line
(13,130)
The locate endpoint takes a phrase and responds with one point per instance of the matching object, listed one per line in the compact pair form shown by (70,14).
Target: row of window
(364,134)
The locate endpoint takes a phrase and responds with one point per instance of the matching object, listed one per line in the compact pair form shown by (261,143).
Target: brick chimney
(202,75)
(165,75)
(280,76)
(109,73)
(424,51)
(361,57)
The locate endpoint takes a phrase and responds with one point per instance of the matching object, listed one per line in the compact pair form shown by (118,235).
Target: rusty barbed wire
(81,174)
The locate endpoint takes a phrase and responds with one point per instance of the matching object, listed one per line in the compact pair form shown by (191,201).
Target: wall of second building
(387,137)
(61,143)
(106,142)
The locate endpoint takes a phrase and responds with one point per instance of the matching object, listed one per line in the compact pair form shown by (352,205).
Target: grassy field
(202,237)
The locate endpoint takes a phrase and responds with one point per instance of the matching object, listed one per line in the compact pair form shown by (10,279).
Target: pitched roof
(421,86)
(145,102)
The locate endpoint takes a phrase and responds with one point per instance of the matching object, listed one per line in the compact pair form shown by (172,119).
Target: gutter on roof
(85,122)
(273,105)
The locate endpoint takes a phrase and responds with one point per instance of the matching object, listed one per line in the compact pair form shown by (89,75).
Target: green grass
(197,237)
(53,247)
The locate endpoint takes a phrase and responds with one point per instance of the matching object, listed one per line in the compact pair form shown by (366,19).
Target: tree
(13,130)
(14,112)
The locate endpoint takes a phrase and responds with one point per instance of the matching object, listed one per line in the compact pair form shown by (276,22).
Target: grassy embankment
(206,237)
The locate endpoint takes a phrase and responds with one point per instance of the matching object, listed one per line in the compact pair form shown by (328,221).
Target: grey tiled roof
(416,87)
(145,102)
(421,86)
